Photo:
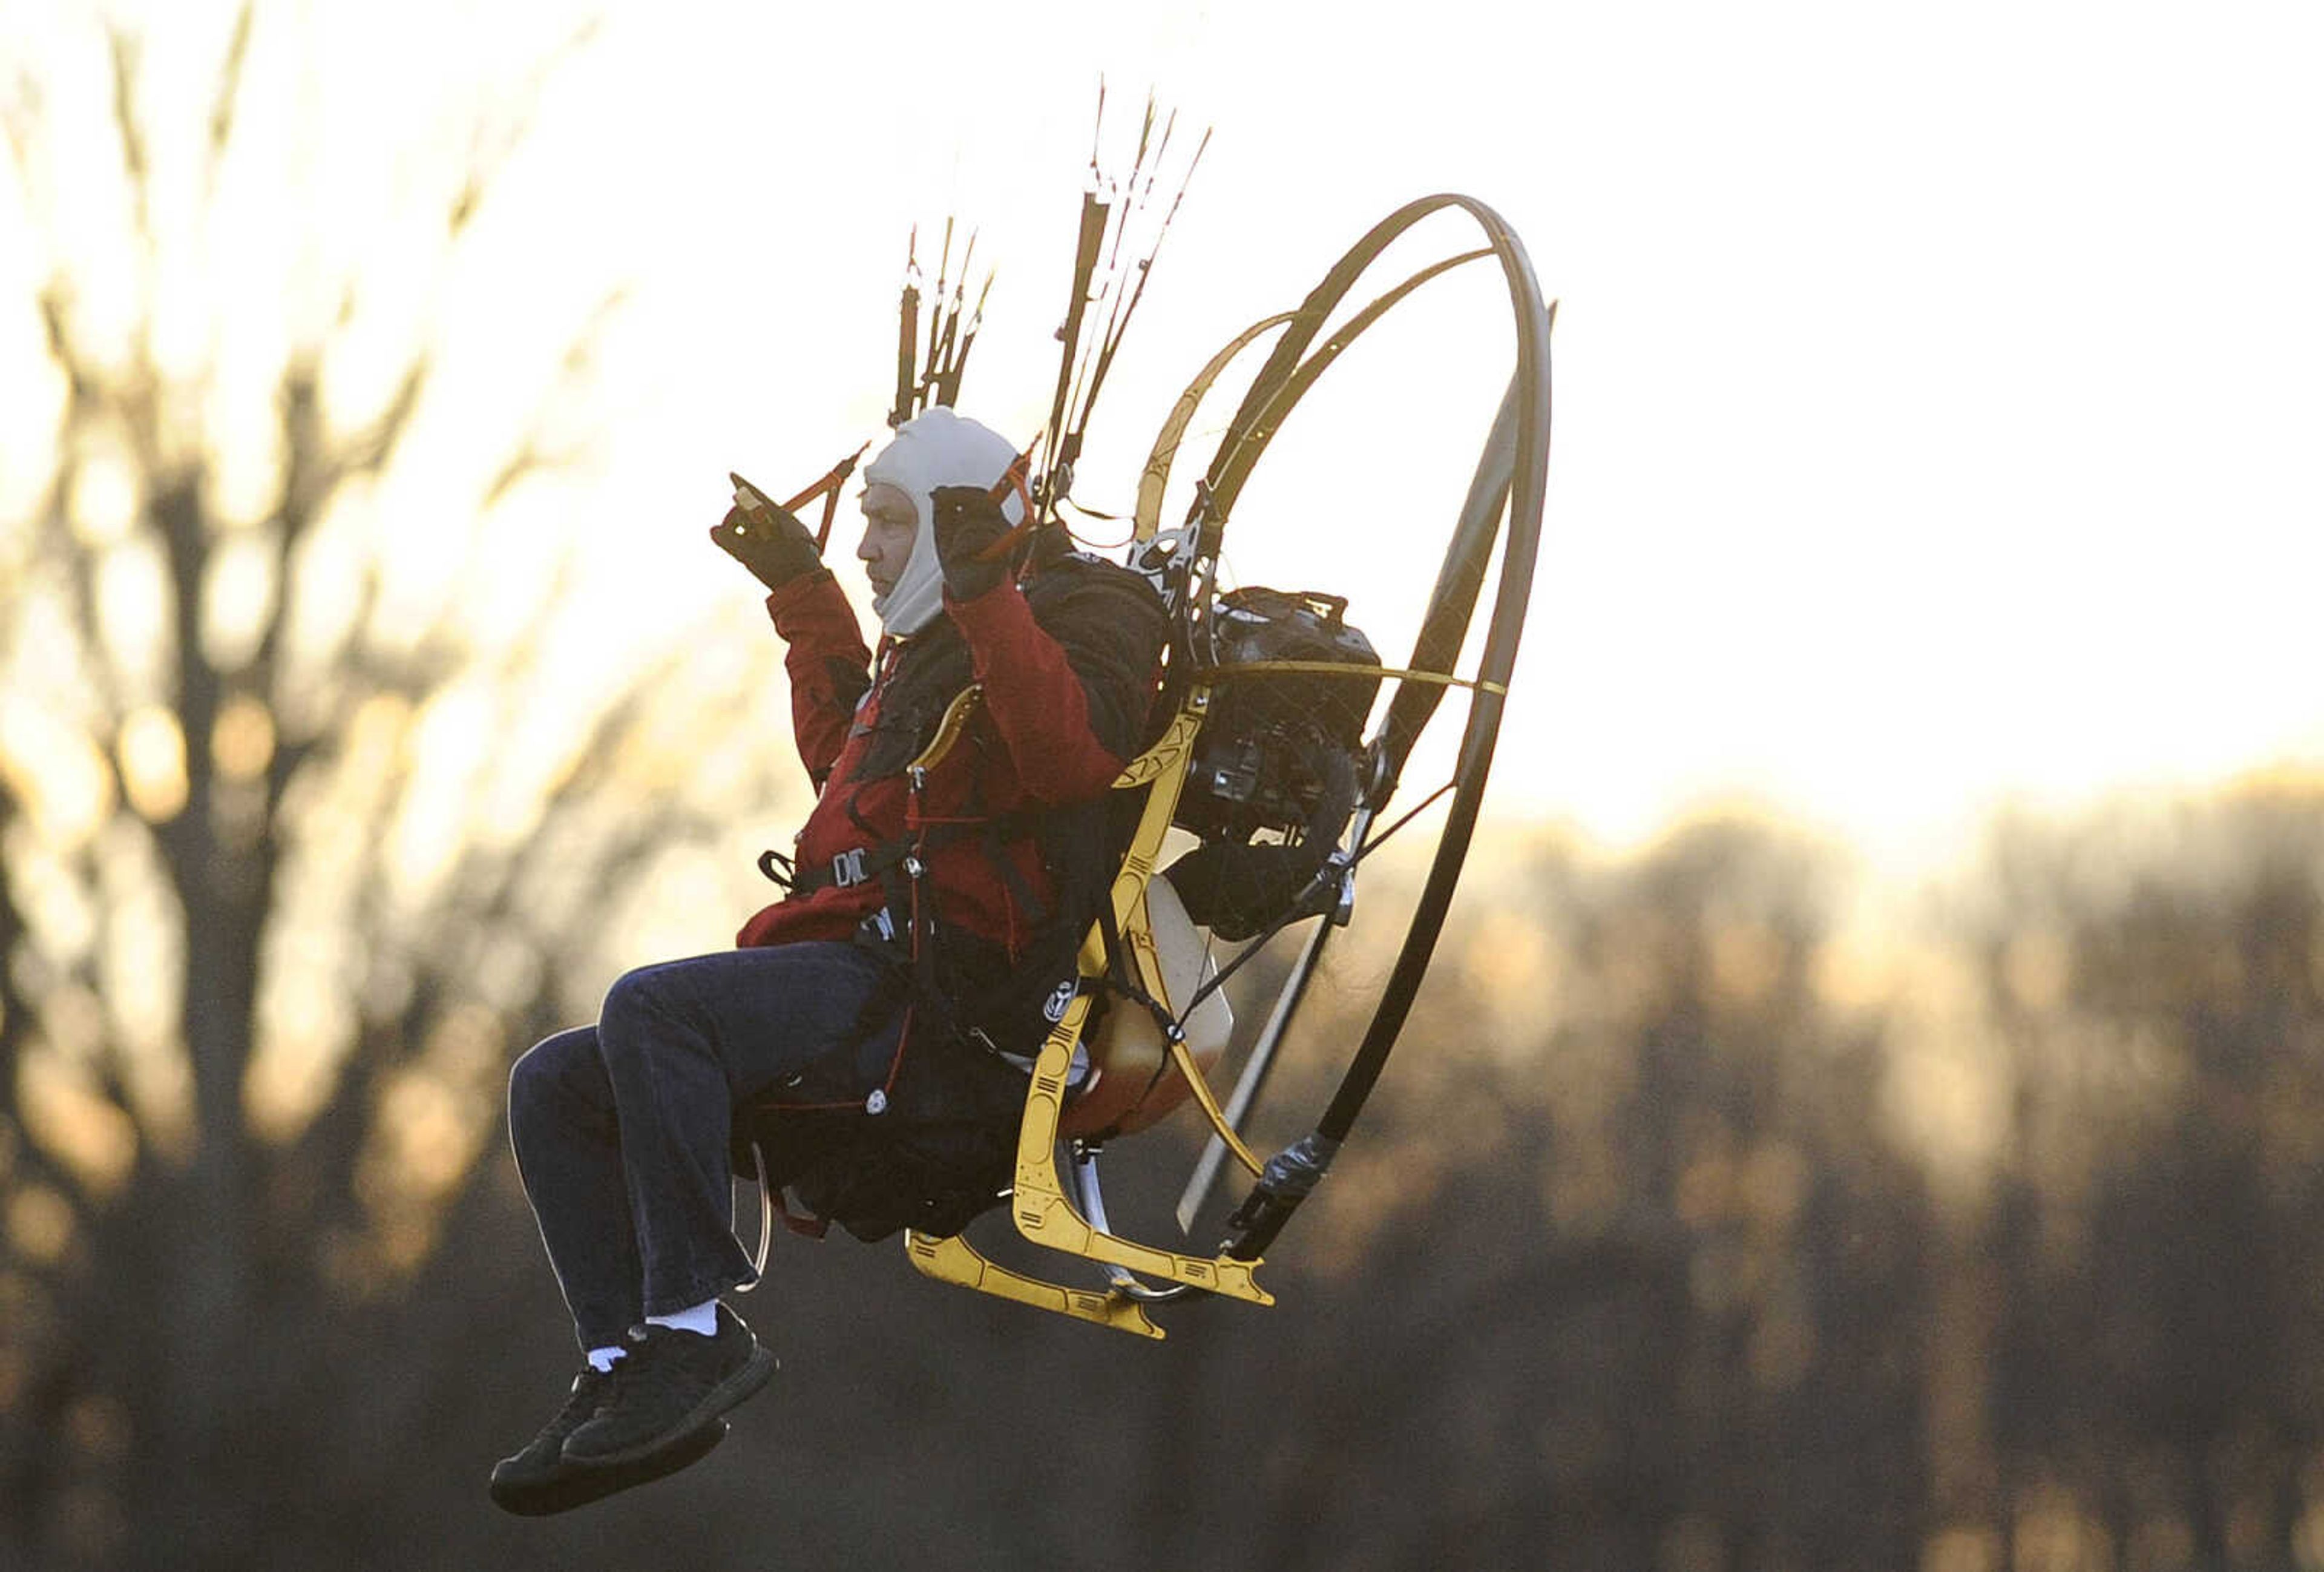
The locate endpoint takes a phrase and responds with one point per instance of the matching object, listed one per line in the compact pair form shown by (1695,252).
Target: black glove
(771,543)
(968,523)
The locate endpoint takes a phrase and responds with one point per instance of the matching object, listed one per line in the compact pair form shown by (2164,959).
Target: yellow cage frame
(1040,1208)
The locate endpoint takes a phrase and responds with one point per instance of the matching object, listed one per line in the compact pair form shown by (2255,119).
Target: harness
(884,860)
(933,1145)
(904,928)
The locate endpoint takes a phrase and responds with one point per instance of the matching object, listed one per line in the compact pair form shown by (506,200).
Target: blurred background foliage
(1723,1212)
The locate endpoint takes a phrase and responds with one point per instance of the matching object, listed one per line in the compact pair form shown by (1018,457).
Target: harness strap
(862,864)
(995,844)
(827,488)
(808,1226)
(1123,977)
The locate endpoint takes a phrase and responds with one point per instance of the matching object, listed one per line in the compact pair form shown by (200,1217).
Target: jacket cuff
(807,587)
(987,614)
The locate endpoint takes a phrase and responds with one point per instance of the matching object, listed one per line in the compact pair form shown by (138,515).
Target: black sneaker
(539,1480)
(672,1386)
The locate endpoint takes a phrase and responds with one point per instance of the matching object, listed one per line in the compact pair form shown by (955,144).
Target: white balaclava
(935,448)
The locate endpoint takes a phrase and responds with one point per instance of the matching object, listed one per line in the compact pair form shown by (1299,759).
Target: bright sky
(1938,387)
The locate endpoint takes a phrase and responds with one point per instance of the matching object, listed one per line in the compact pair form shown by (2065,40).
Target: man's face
(889,525)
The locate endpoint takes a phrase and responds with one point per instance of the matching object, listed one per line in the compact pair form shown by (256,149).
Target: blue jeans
(621,1130)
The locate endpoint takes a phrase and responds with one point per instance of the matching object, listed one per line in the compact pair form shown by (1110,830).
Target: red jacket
(1068,665)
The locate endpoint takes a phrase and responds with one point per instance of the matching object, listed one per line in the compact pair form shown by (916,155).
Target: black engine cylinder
(1255,762)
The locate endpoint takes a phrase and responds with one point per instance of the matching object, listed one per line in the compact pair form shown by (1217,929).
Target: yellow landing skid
(956,1260)
(1046,1216)
(1040,1208)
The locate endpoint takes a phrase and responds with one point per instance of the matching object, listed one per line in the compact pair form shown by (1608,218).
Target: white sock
(701,1320)
(604,1359)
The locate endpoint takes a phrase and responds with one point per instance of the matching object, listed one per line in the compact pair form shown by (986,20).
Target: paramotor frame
(1063,1209)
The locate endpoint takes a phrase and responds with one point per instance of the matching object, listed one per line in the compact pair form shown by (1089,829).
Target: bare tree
(2156,973)
(305,813)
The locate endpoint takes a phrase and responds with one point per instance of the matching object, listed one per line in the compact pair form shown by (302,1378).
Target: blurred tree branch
(237,845)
